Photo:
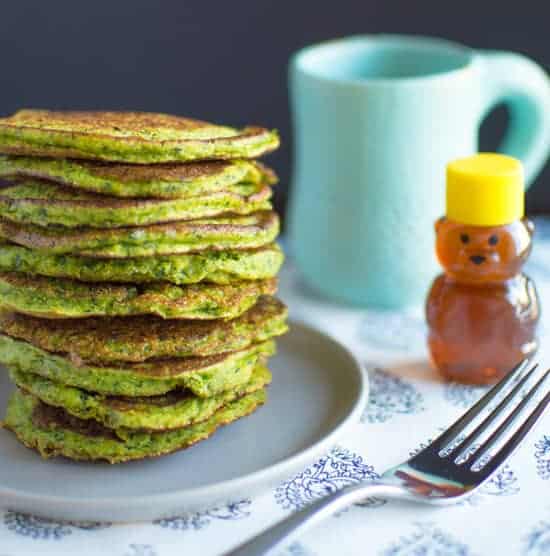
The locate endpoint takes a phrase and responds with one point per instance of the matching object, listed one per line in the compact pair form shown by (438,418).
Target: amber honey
(482,311)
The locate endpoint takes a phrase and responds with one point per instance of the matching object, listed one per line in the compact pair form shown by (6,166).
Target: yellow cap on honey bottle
(486,189)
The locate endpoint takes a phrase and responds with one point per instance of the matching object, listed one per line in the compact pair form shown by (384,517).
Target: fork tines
(464,449)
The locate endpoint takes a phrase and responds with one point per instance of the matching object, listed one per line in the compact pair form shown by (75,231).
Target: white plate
(319,390)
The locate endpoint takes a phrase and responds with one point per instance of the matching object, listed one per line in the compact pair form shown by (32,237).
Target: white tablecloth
(408,406)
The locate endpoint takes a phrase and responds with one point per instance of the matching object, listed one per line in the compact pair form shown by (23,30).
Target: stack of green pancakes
(138,270)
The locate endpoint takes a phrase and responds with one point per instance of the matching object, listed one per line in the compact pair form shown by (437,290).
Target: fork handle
(296,524)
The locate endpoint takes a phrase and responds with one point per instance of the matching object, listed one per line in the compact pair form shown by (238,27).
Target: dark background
(225,60)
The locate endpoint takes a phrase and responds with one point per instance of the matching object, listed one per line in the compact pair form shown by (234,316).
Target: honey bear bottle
(483,311)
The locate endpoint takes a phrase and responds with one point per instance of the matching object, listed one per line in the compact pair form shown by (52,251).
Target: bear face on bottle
(483,255)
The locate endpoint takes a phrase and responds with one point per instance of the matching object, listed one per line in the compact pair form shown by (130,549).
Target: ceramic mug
(376,119)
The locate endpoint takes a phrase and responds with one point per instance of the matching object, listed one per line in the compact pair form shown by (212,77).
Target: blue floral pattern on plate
(390,395)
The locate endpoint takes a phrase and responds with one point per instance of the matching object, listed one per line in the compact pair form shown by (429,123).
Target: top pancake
(135,137)
(159,181)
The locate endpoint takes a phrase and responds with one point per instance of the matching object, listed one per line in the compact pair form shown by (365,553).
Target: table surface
(408,406)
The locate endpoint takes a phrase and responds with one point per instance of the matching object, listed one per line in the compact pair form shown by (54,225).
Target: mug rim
(298,59)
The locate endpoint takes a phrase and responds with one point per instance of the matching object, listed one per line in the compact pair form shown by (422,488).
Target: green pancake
(219,267)
(203,376)
(47,204)
(161,181)
(174,410)
(135,137)
(52,432)
(229,232)
(137,339)
(42,296)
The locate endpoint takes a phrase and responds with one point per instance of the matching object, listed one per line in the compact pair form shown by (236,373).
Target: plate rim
(277,469)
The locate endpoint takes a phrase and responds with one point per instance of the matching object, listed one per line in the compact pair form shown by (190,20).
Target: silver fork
(447,471)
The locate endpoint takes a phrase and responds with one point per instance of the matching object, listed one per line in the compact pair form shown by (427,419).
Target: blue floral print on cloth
(297,549)
(40,528)
(337,469)
(427,540)
(462,395)
(542,455)
(199,520)
(537,541)
(390,395)
(141,550)
(393,330)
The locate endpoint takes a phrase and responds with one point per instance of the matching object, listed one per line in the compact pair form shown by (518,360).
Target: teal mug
(376,119)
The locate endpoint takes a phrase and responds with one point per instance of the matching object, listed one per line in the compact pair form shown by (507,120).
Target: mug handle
(523,86)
